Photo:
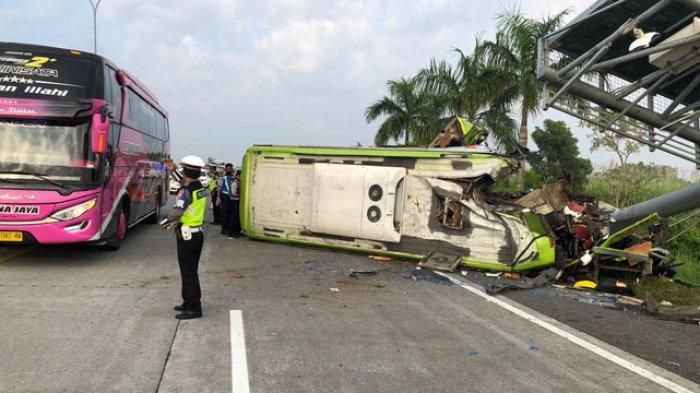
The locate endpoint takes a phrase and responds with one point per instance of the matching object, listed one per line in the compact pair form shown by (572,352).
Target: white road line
(239,363)
(674,387)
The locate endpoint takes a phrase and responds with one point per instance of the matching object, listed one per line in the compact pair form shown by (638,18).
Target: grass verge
(664,289)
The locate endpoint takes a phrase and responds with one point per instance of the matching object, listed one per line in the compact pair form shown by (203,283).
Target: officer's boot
(190,313)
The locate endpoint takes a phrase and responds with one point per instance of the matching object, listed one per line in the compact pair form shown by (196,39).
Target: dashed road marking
(239,362)
(670,385)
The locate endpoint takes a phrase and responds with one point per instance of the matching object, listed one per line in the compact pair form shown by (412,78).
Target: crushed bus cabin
(82,146)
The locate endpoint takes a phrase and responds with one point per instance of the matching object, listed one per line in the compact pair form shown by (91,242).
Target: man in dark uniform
(228,195)
(188,216)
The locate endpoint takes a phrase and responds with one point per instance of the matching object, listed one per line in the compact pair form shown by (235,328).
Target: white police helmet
(192,166)
(193,161)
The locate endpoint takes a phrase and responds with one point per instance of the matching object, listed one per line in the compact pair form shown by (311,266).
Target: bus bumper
(78,230)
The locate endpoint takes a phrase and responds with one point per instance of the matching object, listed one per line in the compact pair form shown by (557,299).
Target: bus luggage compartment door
(356,201)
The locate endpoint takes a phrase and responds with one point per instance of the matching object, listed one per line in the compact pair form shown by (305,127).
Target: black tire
(115,241)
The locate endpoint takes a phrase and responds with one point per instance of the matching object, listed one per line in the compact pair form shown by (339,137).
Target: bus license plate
(11,236)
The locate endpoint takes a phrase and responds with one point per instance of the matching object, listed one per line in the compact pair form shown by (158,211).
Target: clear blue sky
(233,73)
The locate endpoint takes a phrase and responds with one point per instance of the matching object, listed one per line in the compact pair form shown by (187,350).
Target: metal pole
(94,20)
(666,205)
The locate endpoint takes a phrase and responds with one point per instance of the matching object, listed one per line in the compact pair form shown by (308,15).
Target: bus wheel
(155,217)
(115,241)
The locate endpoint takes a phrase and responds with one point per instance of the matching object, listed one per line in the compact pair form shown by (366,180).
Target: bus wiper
(44,178)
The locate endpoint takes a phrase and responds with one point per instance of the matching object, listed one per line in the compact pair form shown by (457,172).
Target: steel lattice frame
(586,85)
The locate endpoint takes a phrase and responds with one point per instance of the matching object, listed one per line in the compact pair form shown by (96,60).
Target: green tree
(405,110)
(622,181)
(515,51)
(473,90)
(558,154)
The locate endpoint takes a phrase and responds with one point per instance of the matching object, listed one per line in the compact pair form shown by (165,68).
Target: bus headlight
(74,211)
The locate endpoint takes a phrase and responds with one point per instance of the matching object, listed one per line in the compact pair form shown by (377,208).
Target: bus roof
(134,82)
(50,50)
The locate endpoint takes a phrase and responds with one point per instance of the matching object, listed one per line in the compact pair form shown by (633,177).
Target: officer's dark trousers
(227,214)
(188,252)
(236,219)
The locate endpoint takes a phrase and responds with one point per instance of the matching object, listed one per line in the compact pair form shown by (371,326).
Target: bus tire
(155,217)
(115,241)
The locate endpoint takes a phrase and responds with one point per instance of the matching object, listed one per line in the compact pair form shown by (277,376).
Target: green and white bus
(399,202)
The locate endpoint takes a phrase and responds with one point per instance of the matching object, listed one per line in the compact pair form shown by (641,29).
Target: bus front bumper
(78,230)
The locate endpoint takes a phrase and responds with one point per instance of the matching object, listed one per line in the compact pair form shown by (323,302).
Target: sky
(233,73)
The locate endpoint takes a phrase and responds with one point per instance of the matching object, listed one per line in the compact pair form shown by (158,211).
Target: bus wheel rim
(121,227)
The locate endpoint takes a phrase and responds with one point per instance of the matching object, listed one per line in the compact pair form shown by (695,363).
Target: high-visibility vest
(193,216)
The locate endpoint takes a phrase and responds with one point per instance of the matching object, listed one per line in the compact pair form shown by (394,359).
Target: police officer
(188,216)
(228,195)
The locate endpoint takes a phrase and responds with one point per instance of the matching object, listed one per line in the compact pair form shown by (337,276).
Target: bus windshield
(45,152)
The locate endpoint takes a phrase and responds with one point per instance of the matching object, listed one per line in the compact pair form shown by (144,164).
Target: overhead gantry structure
(632,67)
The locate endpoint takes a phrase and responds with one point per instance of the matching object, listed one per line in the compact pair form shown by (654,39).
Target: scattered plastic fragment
(473,353)
(335,290)
(585,284)
(629,301)
(379,258)
(361,273)
(533,348)
(493,274)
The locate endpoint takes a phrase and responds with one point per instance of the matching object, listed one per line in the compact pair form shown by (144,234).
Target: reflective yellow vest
(193,216)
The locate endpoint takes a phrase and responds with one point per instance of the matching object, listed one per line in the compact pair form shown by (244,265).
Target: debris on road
(630,301)
(379,258)
(417,274)
(360,273)
(440,261)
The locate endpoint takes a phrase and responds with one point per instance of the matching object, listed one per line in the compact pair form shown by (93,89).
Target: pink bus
(82,147)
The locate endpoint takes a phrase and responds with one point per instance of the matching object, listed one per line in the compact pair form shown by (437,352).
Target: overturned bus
(399,202)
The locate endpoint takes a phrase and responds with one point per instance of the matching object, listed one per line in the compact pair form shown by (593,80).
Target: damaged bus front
(404,203)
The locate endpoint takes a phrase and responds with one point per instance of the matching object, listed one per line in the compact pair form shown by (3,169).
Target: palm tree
(515,51)
(405,109)
(473,90)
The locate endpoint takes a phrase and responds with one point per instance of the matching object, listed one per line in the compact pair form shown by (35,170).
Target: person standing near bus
(188,216)
(226,195)
(213,190)
(236,191)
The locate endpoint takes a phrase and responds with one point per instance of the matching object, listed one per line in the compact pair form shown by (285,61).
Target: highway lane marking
(16,253)
(239,362)
(670,385)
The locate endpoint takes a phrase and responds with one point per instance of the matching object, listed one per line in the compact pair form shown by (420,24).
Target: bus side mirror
(99,131)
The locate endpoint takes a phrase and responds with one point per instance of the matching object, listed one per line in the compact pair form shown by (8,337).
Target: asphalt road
(77,319)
